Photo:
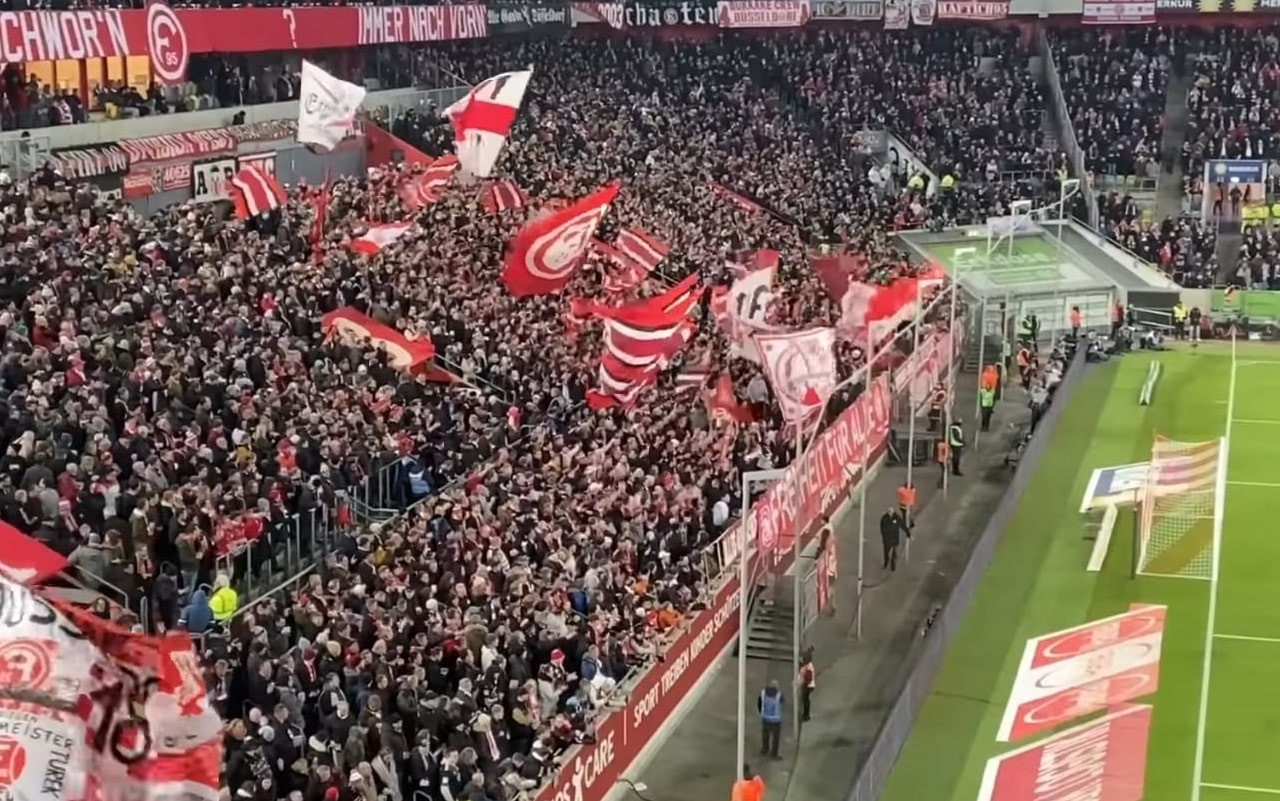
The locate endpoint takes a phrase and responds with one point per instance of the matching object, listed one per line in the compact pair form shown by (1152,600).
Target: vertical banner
(923,11)
(897,15)
(1119,12)
(1234,189)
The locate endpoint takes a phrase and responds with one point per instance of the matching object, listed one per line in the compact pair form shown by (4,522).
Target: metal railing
(1066,130)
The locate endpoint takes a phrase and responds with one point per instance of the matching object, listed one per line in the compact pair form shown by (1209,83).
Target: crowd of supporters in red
(162,373)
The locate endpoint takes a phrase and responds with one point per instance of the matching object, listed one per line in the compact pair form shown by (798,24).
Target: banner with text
(851,10)
(169,36)
(621,16)
(762,13)
(1119,12)
(506,19)
(977,10)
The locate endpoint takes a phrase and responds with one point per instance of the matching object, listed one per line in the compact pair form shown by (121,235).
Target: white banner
(327,107)
(923,11)
(211,180)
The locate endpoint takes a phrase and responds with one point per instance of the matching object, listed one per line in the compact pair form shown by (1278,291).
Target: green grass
(1034,259)
(1257,303)
(1037,584)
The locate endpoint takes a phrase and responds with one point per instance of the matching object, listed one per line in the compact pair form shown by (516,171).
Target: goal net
(1178,506)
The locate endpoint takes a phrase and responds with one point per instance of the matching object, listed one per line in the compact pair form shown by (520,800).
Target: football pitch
(1034,259)
(1214,729)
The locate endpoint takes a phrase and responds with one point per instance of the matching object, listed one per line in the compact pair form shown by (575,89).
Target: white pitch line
(1255,422)
(1220,494)
(1253,484)
(1245,638)
(1241,788)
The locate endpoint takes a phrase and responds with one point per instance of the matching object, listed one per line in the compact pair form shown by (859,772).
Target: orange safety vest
(1075,318)
(907,496)
(749,789)
(944,451)
(990,377)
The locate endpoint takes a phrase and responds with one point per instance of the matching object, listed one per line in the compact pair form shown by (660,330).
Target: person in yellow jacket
(224,602)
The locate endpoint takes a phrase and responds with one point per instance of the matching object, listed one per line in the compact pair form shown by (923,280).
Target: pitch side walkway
(856,680)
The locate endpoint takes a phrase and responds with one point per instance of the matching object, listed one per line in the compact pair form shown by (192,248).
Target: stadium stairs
(1169,196)
(770,628)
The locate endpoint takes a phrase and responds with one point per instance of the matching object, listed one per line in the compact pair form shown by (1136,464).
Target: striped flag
(254,192)
(642,248)
(424,189)
(504,195)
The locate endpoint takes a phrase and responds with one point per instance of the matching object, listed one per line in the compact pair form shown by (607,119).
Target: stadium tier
(385,385)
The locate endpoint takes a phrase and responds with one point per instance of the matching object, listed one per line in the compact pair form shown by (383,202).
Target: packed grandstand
(181,418)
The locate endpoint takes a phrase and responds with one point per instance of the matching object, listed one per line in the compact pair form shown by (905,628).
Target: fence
(1066,131)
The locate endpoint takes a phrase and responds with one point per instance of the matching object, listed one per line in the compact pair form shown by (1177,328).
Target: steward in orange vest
(907,504)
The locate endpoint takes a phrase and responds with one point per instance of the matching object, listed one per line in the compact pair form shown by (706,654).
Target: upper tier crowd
(165,374)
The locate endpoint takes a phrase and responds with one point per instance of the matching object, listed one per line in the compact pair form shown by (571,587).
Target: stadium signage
(620,16)
(763,14)
(505,19)
(211,180)
(1104,760)
(973,9)
(169,36)
(1119,12)
(145,181)
(853,10)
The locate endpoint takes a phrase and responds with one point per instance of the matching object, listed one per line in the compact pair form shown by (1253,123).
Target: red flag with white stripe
(425,188)
(641,247)
(503,196)
(543,255)
(254,192)
(378,237)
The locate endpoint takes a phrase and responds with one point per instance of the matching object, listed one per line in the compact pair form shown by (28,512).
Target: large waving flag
(254,192)
(503,196)
(482,120)
(873,312)
(801,367)
(542,256)
(327,107)
(356,328)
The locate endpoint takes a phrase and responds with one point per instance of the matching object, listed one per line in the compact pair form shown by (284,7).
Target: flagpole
(911,410)
(951,385)
(797,570)
(862,526)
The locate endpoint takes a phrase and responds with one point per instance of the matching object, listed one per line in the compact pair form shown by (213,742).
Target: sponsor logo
(1076,672)
(1175,5)
(167,42)
(1104,760)
(848,9)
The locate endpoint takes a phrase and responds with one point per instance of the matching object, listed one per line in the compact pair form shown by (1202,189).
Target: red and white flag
(642,248)
(801,367)
(254,192)
(543,255)
(723,405)
(378,237)
(482,120)
(622,273)
(425,188)
(502,196)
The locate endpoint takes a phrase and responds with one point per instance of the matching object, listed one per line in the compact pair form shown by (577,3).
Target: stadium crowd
(164,375)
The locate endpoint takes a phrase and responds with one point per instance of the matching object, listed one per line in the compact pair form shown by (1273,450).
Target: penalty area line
(1241,788)
(1253,484)
(1245,638)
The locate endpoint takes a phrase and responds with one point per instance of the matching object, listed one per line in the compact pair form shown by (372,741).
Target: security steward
(891,530)
(907,505)
(1179,321)
(807,681)
(955,442)
(937,402)
(1194,317)
(986,405)
(1024,366)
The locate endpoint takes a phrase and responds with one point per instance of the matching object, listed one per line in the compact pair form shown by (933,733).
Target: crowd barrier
(895,730)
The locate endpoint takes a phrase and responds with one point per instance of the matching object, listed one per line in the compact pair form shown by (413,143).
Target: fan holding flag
(801,367)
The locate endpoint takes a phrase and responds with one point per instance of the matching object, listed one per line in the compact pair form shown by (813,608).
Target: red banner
(1119,12)
(973,9)
(762,13)
(1104,760)
(810,491)
(170,36)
